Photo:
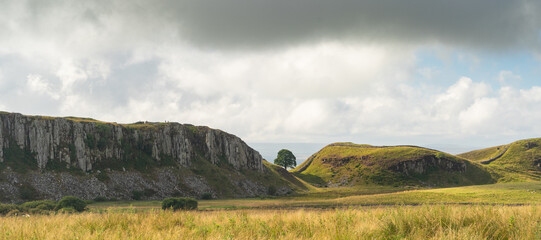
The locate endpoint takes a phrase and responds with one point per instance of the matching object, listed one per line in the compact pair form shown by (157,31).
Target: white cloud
(508,77)
(311,81)
(479,115)
(37,84)
(459,96)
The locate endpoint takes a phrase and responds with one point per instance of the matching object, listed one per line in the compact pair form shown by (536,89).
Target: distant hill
(348,164)
(50,157)
(486,154)
(517,161)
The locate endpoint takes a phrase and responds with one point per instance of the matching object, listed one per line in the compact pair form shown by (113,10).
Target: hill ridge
(353,164)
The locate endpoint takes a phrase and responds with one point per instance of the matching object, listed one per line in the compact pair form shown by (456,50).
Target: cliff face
(46,157)
(84,143)
(426,163)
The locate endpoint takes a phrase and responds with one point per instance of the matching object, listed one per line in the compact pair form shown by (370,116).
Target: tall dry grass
(401,222)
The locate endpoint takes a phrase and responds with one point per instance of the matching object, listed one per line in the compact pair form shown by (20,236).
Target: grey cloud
(247,24)
(471,23)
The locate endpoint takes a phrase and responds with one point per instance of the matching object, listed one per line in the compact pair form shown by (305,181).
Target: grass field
(501,193)
(396,222)
(496,211)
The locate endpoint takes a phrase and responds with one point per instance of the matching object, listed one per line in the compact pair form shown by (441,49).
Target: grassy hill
(519,161)
(485,154)
(348,164)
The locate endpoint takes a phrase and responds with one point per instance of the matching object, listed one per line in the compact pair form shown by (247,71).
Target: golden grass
(397,222)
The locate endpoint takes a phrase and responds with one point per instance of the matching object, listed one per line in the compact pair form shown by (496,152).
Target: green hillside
(348,164)
(484,154)
(520,161)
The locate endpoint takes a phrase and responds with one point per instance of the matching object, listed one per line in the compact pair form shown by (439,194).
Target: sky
(452,75)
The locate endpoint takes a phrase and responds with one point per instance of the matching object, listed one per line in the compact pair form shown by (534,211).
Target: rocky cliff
(51,157)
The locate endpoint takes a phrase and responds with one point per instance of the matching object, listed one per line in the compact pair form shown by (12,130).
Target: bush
(28,192)
(100,199)
(136,195)
(73,202)
(179,203)
(102,176)
(41,205)
(206,196)
(271,190)
(6,208)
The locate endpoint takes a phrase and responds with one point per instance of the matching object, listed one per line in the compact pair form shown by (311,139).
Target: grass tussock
(400,222)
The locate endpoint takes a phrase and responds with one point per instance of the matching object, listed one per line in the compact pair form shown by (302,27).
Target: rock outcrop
(48,157)
(82,143)
(426,163)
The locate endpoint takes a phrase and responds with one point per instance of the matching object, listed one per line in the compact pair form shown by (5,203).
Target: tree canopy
(285,159)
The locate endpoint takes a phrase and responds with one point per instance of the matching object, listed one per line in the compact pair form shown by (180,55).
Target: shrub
(136,195)
(6,208)
(73,202)
(206,196)
(102,176)
(100,199)
(271,190)
(28,192)
(440,155)
(179,203)
(41,205)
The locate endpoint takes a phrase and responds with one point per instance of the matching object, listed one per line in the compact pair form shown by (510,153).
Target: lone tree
(285,159)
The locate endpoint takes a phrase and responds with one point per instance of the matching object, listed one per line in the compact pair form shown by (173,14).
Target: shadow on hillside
(310,178)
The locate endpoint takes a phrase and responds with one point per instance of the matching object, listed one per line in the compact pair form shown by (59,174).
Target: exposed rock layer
(424,164)
(83,143)
(46,157)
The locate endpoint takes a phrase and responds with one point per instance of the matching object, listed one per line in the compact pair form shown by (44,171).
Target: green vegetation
(344,213)
(18,159)
(370,195)
(138,195)
(71,202)
(286,159)
(484,154)
(28,192)
(521,160)
(179,204)
(67,204)
(352,164)
(206,196)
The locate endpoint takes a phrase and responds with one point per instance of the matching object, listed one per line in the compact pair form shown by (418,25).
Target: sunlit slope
(485,154)
(521,160)
(348,164)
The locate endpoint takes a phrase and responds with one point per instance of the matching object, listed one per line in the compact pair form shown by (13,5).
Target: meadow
(501,194)
(390,222)
(496,211)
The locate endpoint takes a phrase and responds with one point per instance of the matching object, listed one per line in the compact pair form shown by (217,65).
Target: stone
(60,139)
(95,147)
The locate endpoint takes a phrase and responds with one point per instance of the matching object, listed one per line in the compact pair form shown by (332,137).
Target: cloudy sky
(451,74)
